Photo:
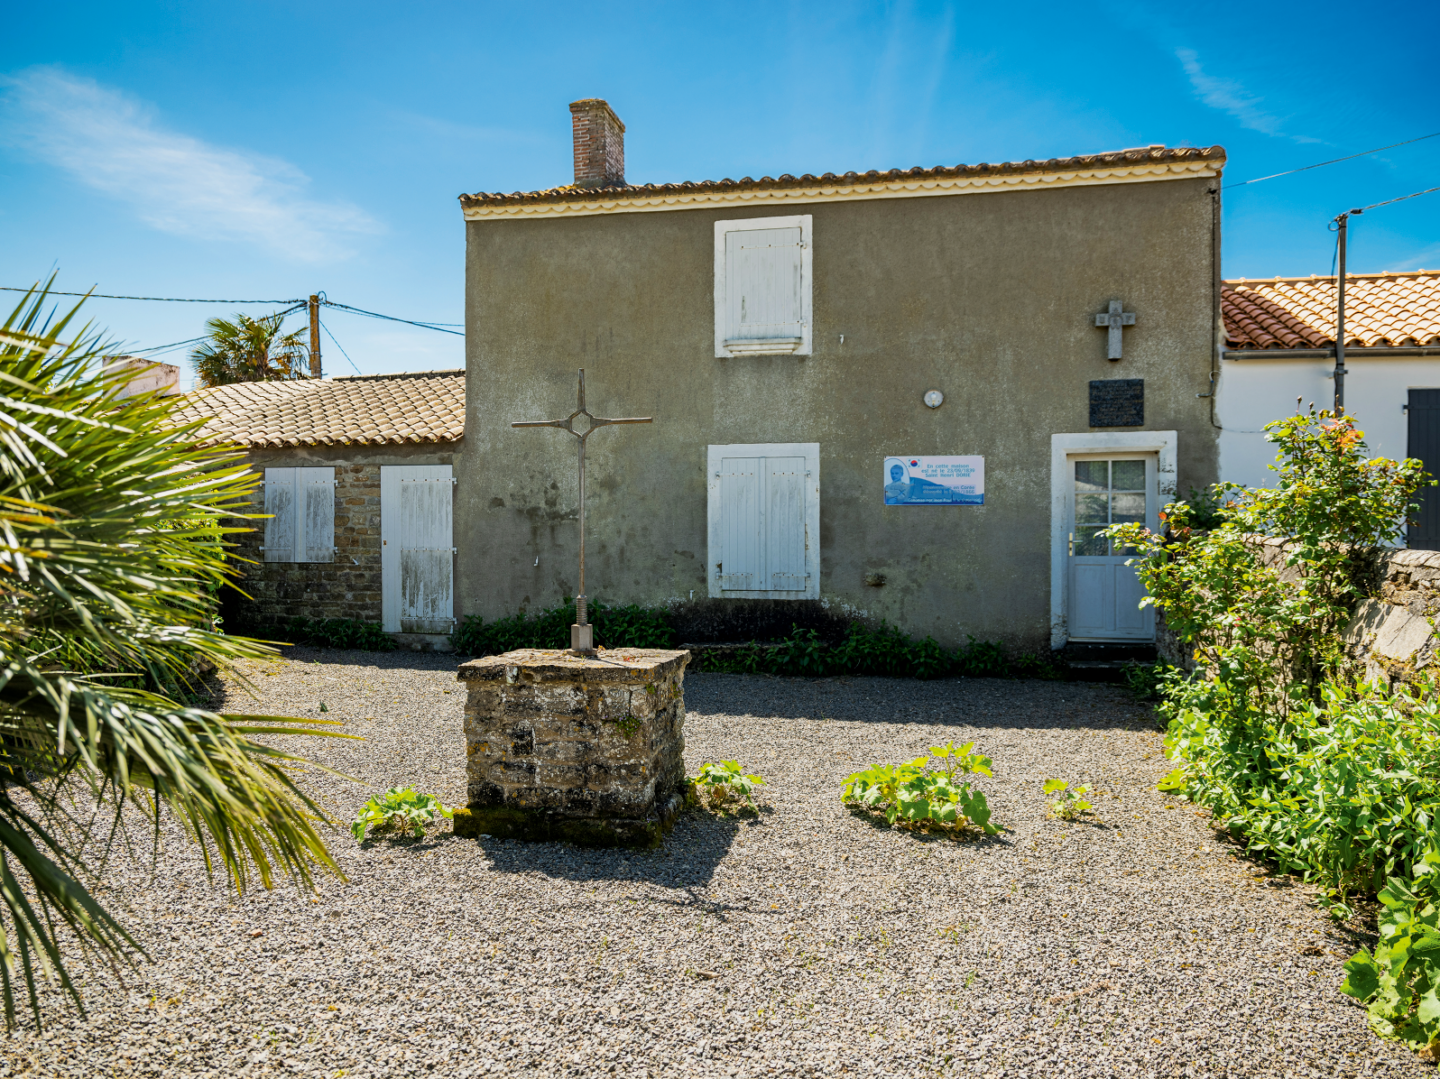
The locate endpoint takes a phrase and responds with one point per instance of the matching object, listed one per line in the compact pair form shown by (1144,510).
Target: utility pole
(1341,226)
(315,336)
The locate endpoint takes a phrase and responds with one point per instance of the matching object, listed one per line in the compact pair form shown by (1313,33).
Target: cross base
(582,640)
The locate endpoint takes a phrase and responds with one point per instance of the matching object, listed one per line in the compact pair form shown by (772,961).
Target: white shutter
(785,524)
(315,492)
(741,550)
(280,527)
(763,278)
(417,548)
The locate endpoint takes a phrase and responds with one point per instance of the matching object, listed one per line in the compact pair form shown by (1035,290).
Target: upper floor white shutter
(280,527)
(763,276)
(763,286)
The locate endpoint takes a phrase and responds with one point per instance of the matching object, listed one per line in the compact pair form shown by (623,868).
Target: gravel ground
(802,941)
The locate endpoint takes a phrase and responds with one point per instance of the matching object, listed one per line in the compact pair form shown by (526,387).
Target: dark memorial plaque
(1117,402)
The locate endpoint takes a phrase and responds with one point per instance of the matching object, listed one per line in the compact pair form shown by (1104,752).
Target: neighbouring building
(359,488)
(144,376)
(915,395)
(1280,353)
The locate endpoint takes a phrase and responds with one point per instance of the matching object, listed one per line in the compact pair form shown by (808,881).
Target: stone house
(359,488)
(915,395)
(1280,347)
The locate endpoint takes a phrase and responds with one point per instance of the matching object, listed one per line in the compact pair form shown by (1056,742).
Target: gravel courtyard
(804,941)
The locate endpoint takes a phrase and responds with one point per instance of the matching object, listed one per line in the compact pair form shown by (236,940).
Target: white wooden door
(417,549)
(1105,593)
(762,524)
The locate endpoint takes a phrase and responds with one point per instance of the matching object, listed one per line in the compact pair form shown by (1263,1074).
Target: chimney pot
(599,144)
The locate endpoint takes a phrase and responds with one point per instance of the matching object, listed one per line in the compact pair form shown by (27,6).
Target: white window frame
(760,347)
(811,452)
(297,478)
(1063,449)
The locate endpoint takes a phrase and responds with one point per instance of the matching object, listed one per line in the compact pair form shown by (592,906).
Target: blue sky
(254,150)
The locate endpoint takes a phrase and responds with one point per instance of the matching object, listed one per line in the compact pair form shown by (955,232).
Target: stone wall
(1393,634)
(350,586)
(564,747)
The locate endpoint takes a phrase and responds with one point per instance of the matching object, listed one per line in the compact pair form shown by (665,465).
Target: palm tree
(113,529)
(246,349)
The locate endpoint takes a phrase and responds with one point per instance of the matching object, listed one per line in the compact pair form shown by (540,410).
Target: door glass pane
(1092,475)
(1128,475)
(1092,509)
(1127,508)
(1088,541)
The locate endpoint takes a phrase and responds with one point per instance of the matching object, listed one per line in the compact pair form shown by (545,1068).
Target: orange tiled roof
(1381,310)
(367,410)
(1115,159)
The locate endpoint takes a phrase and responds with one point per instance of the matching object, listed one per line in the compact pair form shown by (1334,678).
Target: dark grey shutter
(1424,415)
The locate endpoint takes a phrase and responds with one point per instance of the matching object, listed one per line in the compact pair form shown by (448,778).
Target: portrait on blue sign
(934,481)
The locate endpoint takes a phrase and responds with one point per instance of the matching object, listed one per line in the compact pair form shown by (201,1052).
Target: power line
(1402,198)
(340,347)
(1333,161)
(155,299)
(437,326)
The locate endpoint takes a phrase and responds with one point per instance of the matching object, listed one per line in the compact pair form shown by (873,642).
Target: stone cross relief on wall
(1114,320)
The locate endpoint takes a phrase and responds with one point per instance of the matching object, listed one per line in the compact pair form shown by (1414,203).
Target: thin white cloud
(175,183)
(1229,96)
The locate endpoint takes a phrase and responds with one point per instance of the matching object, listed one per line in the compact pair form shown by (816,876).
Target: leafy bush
(878,650)
(338,633)
(1144,681)
(724,783)
(631,626)
(1336,781)
(911,795)
(400,809)
(1069,805)
(1400,982)
(1344,793)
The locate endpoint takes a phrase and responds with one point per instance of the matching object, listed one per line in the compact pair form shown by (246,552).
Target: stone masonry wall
(348,587)
(1393,634)
(568,747)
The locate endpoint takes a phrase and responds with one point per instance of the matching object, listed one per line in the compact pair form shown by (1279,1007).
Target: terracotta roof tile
(1113,159)
(366,410)
(1381,310)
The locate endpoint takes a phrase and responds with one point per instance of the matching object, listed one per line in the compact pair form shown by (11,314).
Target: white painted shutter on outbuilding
(301,505)
(763,276)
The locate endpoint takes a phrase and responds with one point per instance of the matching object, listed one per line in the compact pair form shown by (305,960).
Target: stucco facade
(987,297)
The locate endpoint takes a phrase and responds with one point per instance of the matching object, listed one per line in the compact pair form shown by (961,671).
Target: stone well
(585,749)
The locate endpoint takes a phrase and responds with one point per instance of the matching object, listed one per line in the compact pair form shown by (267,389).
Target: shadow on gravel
(989,703)
(698,843)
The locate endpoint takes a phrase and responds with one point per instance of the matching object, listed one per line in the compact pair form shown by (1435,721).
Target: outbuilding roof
(1158,159)
(1381,310)
(359,410)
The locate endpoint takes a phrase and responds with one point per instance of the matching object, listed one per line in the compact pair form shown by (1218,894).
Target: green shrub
(631,626)
(335,633)
(1070,805)
(400,809)
(724,783)
(912,795)
(1400,982)
(1336,781)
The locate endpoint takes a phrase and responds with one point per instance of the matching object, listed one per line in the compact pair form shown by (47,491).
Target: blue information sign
(934,481)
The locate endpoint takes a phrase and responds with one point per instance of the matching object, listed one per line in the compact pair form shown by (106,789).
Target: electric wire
(1333,161)
(437,326)
(339,346)
(155,299)
(1402,198)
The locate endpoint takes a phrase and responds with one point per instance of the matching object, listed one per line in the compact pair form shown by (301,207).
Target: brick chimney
(599,144)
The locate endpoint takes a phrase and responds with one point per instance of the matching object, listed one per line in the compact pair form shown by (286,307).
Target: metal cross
(582,635)
(1113,320)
